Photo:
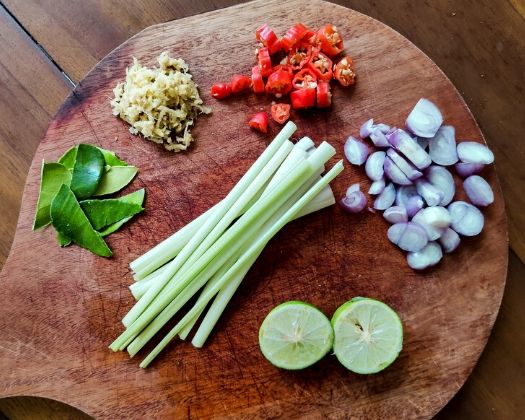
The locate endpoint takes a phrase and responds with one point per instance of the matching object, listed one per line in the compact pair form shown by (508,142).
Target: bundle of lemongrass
(215,251)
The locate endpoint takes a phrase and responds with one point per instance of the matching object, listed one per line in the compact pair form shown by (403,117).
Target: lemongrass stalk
(186,330)
(280,144)
(224,296)
(260,211)
(291,192)
(242,231)
(241,263)
(170,247)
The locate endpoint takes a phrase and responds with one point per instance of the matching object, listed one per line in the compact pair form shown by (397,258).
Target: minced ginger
(160,103)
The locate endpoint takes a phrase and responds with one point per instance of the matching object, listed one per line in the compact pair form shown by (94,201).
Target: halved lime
(368,335)
(295,335)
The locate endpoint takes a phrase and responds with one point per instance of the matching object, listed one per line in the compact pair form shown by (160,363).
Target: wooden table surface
(46,46)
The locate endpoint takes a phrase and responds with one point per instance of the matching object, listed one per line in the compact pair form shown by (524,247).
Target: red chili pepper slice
(299,55)
(257,80)
(267,37)
(324,95)
(284,67)
(259,122)
(279,83)
(306,78)
(311,38)
(265,62)
(321,65)
(302,98)
(330,39)
(293,36)
(221,90)
(240,82)
(280,112)
(344,71)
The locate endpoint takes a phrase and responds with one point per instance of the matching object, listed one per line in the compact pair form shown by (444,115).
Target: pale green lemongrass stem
(255,248)
(243,183)
(213,314)
(188,327)
(224,296)
(210,223)
(186,262)
(239,235)
(192,287)
(260,209)
(170,247)
(316,160)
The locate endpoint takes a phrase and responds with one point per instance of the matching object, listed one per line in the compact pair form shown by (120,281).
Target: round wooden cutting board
(60,308)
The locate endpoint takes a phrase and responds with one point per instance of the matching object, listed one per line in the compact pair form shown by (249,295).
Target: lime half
(368,335)
(295,335)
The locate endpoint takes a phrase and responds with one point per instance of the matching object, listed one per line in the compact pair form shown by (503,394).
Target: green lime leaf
(63,240)
(295,335)
(70,221)
(68,158)
(111,158)
(53,175)
(368,335)
(115,178)
(102,213)
(88,171)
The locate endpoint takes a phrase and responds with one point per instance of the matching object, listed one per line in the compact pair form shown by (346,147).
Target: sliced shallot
(434,220)
(425,119)
(414,204)
(395,174)
(408,197)
(407,236)
(356,151)
(366,128)
(377,187)
(396,214)
(449,240)
(374,165)
(466,169)
(386,198)
(354,201)
(467,220)
(423,142)
(431,194)
(378,138)
(353,188)
(442,179)
(478,191)
(384,128)
(442,147)
(429,256)
(406,167)
(401,141)
(472,152)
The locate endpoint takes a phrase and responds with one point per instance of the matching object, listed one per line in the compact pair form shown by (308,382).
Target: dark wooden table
(46,46)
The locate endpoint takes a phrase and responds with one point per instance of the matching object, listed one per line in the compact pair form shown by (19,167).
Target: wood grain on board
(26,106)
(61,307)
(480,45)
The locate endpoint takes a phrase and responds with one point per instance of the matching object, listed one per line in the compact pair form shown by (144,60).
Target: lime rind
(368,335)
(295,335)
